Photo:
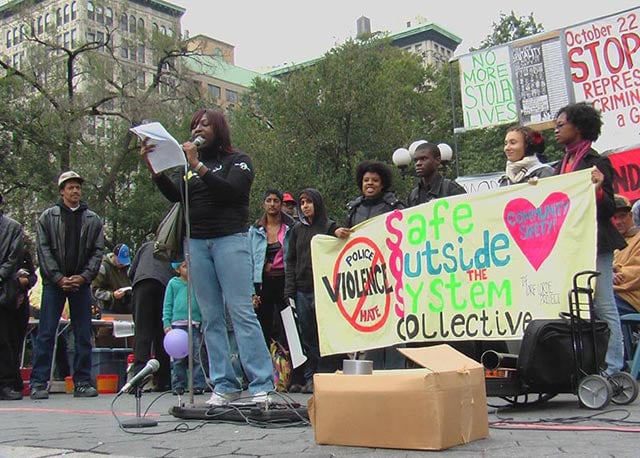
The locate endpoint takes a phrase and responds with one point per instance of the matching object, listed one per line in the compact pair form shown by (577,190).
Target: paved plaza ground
(72,427)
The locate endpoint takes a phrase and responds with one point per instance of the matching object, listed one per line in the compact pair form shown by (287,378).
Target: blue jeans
(221,271)
(606,310)
(180,367)
(624,308)
(52,303)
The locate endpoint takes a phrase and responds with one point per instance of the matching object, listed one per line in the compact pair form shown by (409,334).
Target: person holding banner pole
(374,180)
(522,145)
(577,126)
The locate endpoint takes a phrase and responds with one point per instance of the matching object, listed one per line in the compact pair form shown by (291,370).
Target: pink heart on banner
(536,230)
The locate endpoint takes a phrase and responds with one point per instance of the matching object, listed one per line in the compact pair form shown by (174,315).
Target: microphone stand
(187,258)
(139,421)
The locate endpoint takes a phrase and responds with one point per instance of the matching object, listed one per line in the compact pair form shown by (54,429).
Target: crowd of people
(243,275)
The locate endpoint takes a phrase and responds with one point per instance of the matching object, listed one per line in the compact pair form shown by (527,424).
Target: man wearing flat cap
(626,262)
(70,247)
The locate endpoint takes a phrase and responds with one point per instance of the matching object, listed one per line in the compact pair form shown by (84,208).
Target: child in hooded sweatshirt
(175,316)
(299,279)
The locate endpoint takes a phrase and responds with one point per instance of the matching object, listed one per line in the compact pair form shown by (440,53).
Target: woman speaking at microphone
(219,183)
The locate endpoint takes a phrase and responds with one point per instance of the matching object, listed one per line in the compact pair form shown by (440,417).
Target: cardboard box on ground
(435,407)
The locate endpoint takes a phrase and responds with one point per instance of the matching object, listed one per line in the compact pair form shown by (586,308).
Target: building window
(214,91)
(59,16)
(74,38)
(170,32)
(132,24)
(108,16)
(16,40)
(40,28)
(22,32)
(91,14)
(66,14)
(163,30)
(141,53)
(47,22)
(8,38)
(133,55)
(67,40)
(154,28)
(124,22)
(231,96)
(141,25)
(100,14)
(74,11)
(100,37)
(141,82)
(124,52)
(91,37)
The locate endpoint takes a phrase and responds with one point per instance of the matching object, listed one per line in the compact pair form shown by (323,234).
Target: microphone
(152,366)
(198,141)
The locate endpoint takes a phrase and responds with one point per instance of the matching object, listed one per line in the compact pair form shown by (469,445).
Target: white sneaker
(222,399)
(261,397)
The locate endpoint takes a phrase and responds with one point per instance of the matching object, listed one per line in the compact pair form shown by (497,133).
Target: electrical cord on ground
(221,414)
(217,415)
(181,427)
(619,424)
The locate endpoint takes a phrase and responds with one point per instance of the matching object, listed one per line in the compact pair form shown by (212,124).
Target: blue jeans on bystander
(52,304)
(180,367)
(606,310)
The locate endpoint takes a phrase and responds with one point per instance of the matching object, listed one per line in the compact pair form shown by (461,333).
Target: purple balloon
(176,343)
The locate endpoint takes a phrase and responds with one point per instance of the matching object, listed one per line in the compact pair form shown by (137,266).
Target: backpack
(169,236)
(546,361)
(281,366)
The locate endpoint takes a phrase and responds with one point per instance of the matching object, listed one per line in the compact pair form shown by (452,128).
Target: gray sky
(270,33)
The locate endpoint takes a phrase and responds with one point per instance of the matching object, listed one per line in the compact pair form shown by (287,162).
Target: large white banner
(478,266)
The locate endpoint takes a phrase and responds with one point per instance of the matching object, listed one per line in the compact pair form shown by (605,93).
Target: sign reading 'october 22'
(604,58)
(467,267)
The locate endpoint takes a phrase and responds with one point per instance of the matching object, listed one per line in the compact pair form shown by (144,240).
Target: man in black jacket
(11,256)
(432,185)
(70,248)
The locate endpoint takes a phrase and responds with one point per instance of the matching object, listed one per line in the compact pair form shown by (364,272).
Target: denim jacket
(258,243)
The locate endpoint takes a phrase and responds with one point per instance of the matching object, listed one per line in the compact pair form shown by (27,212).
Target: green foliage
(363,100)
(511,27)
(71,108)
